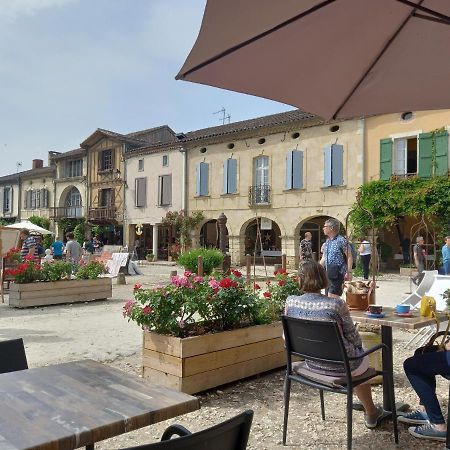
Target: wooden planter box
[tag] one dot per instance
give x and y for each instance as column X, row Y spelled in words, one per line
column 56, row 292
column 198, row 363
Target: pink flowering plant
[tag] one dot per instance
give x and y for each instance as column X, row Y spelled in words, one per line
column 193, row 305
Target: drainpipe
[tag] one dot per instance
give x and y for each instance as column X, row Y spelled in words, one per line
column 125, row 230
column 19, row 198
column 364, row 149
column 184, row 180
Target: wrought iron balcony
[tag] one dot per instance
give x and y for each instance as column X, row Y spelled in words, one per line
column 102, row 213
column 66, row 212
column 259, row 195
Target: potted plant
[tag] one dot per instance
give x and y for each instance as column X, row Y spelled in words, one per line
column 149, row 256
column 53, row 283
column 202, row 332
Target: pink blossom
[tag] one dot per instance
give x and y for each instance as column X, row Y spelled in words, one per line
column 137, row 286
column 128, row 308
column 213, row 284
column 257, row 286
column 181, row 323
column 198, row 279
column 187, row 273
column 146, row 310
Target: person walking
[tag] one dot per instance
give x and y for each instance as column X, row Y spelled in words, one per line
column 365, row 252
column 29, row 246
column 306, row 247
column 337, row 258
column 446, row 256
column 73, row 249
column 419, row 260
column 57, row 248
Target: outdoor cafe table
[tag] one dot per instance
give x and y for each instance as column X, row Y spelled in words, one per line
column 388, row 322
column 76, row 404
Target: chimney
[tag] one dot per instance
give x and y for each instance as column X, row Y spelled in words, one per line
column 37, row 164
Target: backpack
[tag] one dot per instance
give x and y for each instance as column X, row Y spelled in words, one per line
column 354, row 254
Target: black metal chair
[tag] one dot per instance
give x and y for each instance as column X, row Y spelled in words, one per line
column 322, row 341
column 12, row 356
column 229, row 435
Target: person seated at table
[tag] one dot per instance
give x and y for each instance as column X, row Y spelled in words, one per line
column 421, row 370
column 313, row 305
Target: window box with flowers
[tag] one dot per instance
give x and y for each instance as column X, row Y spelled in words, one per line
column 202, row 332
column 53, row 283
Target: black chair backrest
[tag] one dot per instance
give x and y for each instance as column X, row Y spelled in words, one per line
column 229, row 435
column 12, row 356
column 314, row 339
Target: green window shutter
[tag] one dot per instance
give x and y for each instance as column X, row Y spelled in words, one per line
column 385, row 159
column 425, row 155
column 441, row 167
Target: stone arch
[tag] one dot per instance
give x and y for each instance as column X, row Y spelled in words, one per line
column 66, row 195
column 209, row 234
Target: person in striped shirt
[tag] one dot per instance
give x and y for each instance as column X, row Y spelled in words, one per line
column 29, row 246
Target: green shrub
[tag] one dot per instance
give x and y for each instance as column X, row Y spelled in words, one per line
column 56, row 270
column 90, row 271
column 211, row 259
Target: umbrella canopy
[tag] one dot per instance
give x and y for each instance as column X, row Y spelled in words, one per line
column 334, row 58
column 29, row 226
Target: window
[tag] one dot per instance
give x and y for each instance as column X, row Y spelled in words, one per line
column 261, row 180
column 405, row 156
column 35, row 198
column 294, row 169
column 140, row 192
column 165, row 190
column 73, row 198
column 333, row 165
column 165, row 160
column 7, row 199
column 106, row 160
column 230, row 176
column 202, row 179
column 106, row 198
column 141, row 165
column 74, row 168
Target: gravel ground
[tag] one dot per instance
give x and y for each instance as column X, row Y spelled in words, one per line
column 98, row 331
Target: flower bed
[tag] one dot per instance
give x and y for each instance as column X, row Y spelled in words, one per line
column 201, row 332
column 51, row 283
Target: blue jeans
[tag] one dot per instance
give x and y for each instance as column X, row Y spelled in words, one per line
column 421, row 370
column 447, row 268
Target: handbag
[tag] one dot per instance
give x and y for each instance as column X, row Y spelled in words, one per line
column 427, row 306
column 437, row 347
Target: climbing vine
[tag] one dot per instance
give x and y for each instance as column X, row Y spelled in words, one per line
column 389, row 200
column 183, row 224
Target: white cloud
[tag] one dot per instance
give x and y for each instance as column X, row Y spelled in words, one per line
column 12, row 9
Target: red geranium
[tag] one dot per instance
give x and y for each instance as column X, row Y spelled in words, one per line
column 236, row 273
column 227, row 283
column 267, row 294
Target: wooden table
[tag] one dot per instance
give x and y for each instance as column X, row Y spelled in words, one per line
column 387, row 323
column 76, row 404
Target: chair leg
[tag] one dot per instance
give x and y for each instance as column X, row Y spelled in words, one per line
column 349, row 418
column 447, row 443
column 287, row 394
column 322, row 405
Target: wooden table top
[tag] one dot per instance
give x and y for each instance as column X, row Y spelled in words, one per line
column 71, row 405
column 394, row 321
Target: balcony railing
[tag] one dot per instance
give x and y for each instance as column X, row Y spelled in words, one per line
column 66, row 212
column 259, row 195
column 103, row 213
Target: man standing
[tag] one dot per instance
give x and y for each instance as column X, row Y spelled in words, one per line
column 337, row 258
column 57, row 248
column 73, row 249
column 29, row 246
column 446, row 256
column 306, row 247
column 419, row 260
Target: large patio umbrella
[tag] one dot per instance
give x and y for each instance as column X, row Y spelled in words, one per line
column 26, row 224
column 334, row 58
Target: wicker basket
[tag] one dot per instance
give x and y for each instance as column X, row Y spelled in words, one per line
column 359, row 301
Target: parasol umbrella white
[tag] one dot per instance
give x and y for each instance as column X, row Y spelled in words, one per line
column 337, row 59
column 26, row 224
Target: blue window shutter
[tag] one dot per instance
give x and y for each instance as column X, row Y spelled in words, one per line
column 198, row 190
column 289, row 170
column 425, row 155
column 327, row 166
column 297, row 169
column 385, row 159
column 337, row 165
column 225, row 177
column 204, row 175
column 441, row 153
column 232, row 175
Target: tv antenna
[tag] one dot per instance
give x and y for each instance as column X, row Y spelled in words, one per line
column 18, row 166
column 225, row 116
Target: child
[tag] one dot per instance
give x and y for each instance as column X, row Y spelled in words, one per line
column 48, row 255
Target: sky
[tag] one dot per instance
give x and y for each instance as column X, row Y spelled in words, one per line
column 68, row 67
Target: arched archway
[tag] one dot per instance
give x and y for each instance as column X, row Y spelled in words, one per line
column 72, row 202
column 263, row 239
column 209, row 235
